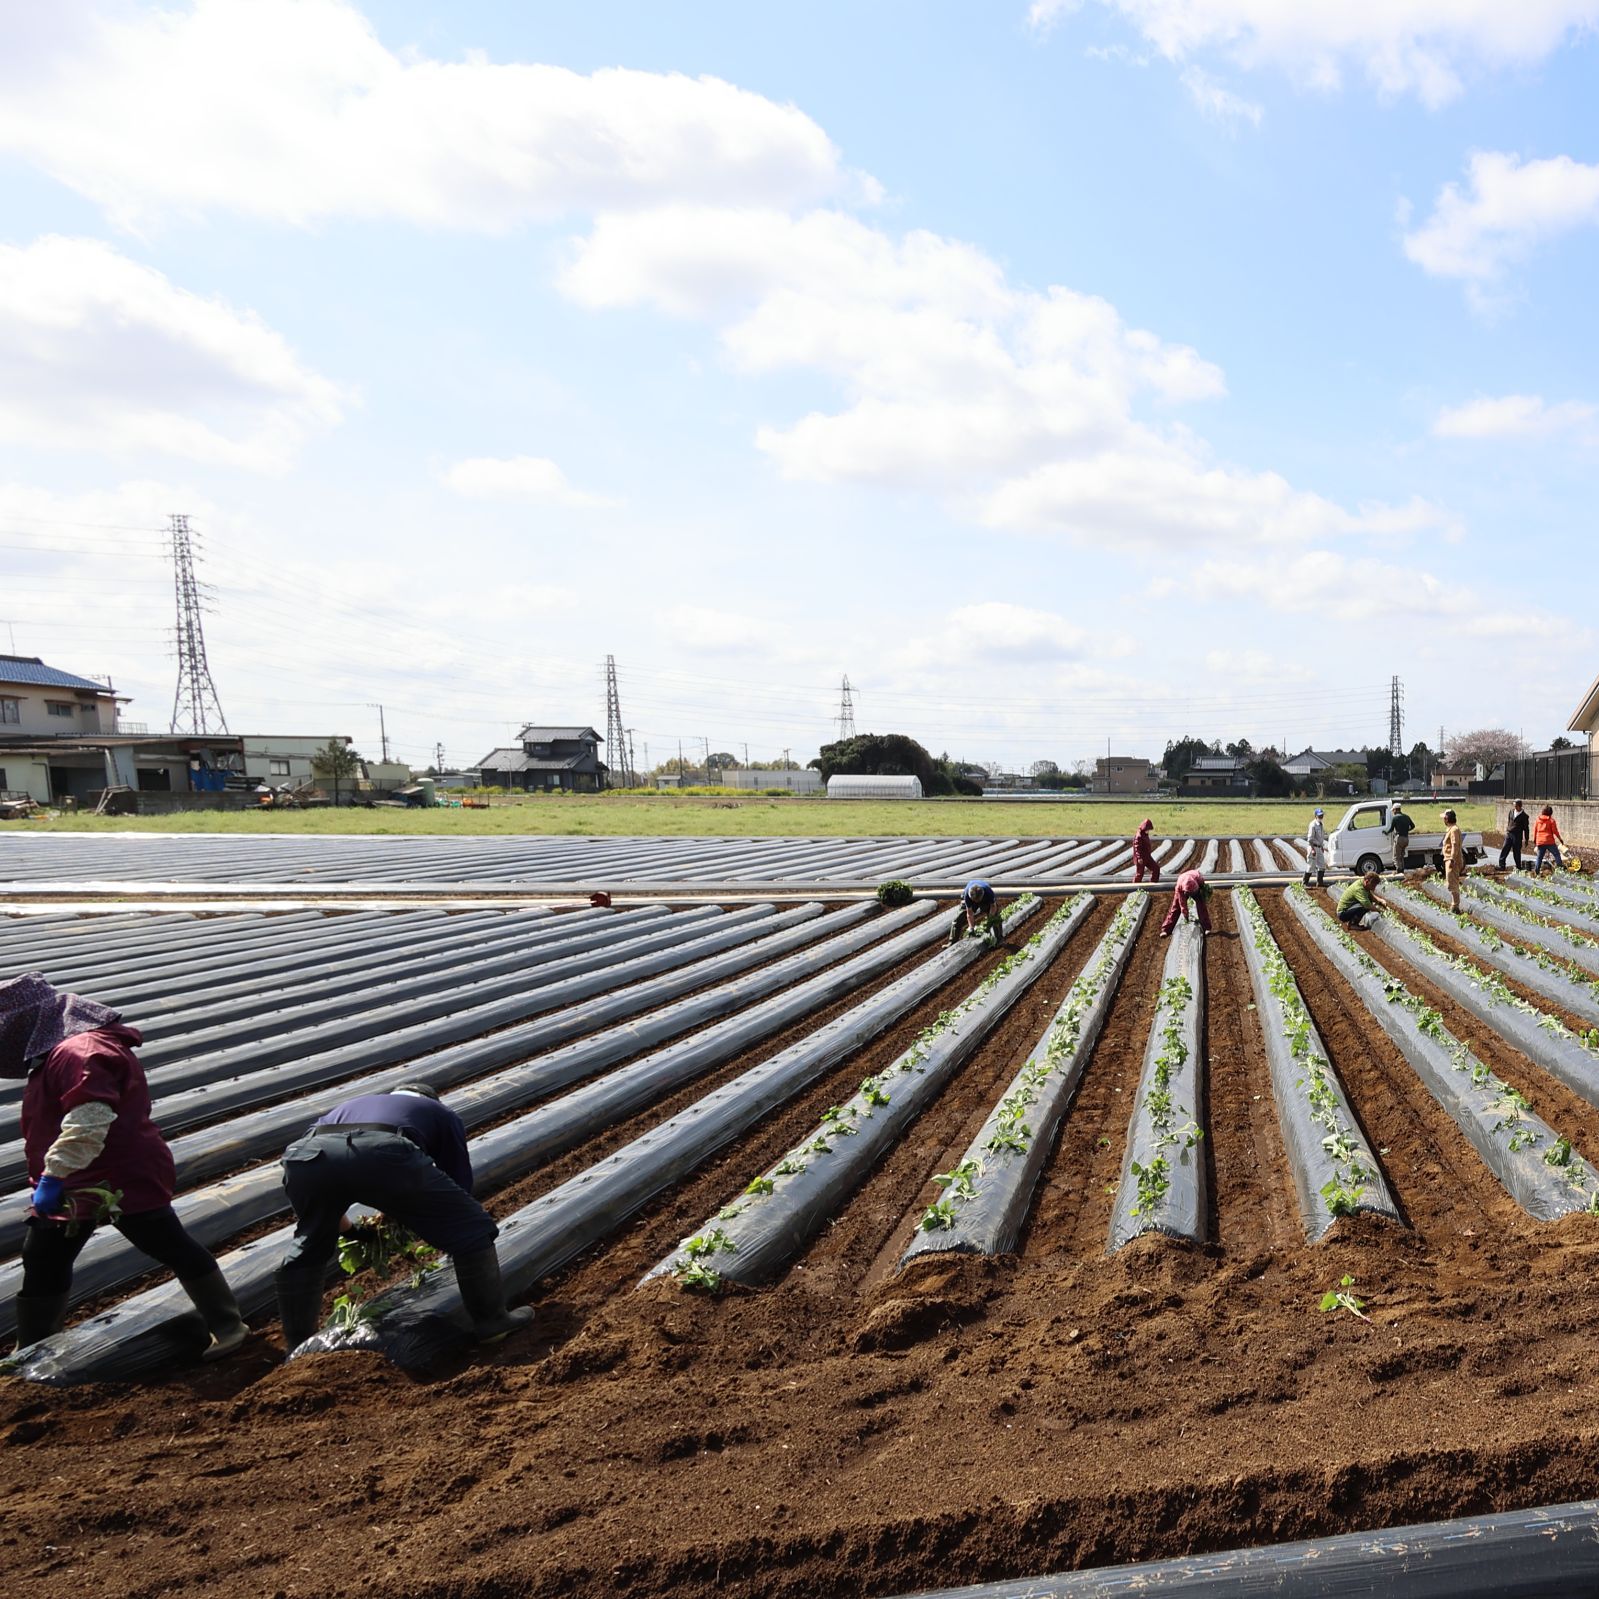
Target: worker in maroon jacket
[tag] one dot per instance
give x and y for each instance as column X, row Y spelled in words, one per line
column 86, row 1126
column 1144, row 853
column 404, row 1154
column 1190, row 888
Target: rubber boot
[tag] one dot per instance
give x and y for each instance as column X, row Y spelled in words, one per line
column 957, row 929
column 1307, row 878
column 38, row 1316
column 299, row 1307
column 1321, row 879
column 483, row 1294
column 214, row 1300
column 996, row 929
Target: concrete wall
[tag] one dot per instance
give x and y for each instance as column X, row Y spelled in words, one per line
column 1578, row 819
column 25, row 775
column 90, row 713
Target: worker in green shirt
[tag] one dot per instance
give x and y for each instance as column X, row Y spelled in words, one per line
column 1360, row 904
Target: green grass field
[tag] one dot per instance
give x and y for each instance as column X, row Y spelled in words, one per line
column 673, row 816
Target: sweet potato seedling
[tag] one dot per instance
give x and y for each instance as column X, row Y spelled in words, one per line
column 1343, row 1298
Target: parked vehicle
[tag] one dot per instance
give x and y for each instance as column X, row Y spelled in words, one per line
column 1360, row 842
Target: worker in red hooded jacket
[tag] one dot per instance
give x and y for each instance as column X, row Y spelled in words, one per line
column 1144, row 853
column 86, row 1126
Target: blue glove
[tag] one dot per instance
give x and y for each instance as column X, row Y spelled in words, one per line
column 48, row 1196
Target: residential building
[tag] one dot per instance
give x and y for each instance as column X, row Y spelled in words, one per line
column 63, row 739
column 1215, row 776
column 548, row 760
column 285, row 760
column 1123, row 774
column 1317, row 763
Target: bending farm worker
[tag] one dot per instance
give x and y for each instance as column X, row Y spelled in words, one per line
column 1455, row 858
column 1400, row 827
column 1517, row 826
column 1546, row 837
column 978, row 906
column 94, row 1155
column 1360, row 904
column 1144, row 853
column 404, row 1154
column 1316, row 848
column 1190, row 888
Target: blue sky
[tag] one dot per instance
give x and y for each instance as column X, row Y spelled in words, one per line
column 1069, row 376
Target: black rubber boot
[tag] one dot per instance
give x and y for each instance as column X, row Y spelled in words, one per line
column 1307, row 879
column 214, row 1300
column 299, row 1308
column 39, row 1315
column 996, row 928
column 957, row 928
column 1321, row 879
column 483, row 1294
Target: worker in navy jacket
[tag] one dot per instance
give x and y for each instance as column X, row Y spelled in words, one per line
column 978, row 906
column 404, row 1154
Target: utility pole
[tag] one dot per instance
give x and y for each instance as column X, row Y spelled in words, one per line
column 438, row 757
column 785, row 757
column 846, row 710
column 383, row 730
column 707, row 743
column 746, row 753
column 195, row 706
column 632, row 770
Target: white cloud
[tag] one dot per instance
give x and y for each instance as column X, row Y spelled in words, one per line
column 1027, row 409
column 1217, row 101
column 294, row 110
column 1419, row 47
column 1507, row 207
column 520, row 477
column 710, row 631
column 995, row 632
column 1366, row 590
column 1511, row 416
column 99, row 352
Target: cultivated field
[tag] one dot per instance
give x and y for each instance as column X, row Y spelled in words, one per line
column 862, row 1265
column 621, row 815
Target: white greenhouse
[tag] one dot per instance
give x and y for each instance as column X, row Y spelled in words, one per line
column 880, row 788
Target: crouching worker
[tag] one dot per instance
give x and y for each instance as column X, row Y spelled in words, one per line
column 979, row 909
column 1189, row 889
column 1360, row 904
column 94, row 1154
column 403, row 1154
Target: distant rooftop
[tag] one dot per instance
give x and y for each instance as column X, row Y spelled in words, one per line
column 31, row 670
column 557, row 735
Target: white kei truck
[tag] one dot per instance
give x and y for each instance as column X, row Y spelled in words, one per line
column 1361, row 842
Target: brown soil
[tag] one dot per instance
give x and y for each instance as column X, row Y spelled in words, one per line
column 856, row 1431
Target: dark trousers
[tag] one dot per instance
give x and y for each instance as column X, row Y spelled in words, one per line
column 1401, row 849
column 48, row 1249
column 325, row 1173
column 1551, row 851
column 1511, row 846
column 1351, row 916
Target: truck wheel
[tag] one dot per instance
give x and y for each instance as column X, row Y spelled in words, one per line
column 1368, row 863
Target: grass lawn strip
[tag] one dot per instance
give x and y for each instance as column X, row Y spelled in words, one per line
column 984, row 1200
column 1515, row 1143
column 1335, row 1172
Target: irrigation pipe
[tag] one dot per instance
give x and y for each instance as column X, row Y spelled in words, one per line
column 781, row 1209
column 1498, row 1122
column 1335, row 1172
column 1162, row 1186
column 986, row 1197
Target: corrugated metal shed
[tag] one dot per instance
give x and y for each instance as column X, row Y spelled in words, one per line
column 30, row 669
column 859, row 787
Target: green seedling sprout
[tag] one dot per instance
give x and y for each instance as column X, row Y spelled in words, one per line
column 1343, row 1298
